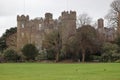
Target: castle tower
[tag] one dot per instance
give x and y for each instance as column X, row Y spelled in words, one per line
column 49, row 23
column 100, row 23
column 68, row 21
column 48, row 19
column 21, row 28
column 101, row 30
column 48, row 16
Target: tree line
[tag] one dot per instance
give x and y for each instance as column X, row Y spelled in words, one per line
column 83, row 46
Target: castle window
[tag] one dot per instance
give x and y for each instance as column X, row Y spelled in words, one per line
column 23, row 26
column 22, row 34
column 40, row 26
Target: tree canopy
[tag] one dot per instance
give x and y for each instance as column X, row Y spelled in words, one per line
column 53, row 42
column 30, row 51
column 5, row 36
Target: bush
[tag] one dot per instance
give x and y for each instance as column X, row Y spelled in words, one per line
column 46, row 55
column 1, row 58
column 21, row 58
column 95, row 58
column 11, row 55
column 117, row 61
column 30, row 51
column 50, row 54
column 106, row 57
column 41, row 56
column 110, row 52
column 116, row 56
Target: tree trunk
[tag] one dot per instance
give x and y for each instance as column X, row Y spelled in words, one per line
column 118, row 24
column 83, row 55
column 57, row 57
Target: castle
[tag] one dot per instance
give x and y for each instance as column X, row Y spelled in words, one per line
column 106, row 34
column 33, row 31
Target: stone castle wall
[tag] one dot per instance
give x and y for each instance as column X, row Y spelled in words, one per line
column 105, row 34
column 33, row 31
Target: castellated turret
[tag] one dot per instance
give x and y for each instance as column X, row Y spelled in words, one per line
column 48, row 22
column 22, row 22
column 68, row 20
column 22, row 18
column 48, row 16
column 100, row 23
column 69, row 15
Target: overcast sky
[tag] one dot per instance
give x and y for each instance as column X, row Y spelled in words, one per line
column 9, row 9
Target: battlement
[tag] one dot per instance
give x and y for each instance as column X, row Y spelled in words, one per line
column 37, row 20
column 34, row 30
column 22, row 18
column 100, row 23
column 69, row 15
column 48, row 16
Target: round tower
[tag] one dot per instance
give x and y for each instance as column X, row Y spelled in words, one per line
column 48, row 20
column 100, row 23
column 48, row 16
column 101, row 30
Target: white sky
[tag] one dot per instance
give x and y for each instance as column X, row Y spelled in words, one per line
column 9, row 9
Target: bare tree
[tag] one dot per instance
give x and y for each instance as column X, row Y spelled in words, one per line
column 86, row 40
column 114, row 13
column 84, row 19
column 53, row 41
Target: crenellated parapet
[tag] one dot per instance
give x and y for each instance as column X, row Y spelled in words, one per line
column 22, row 18
column 100, row 23
column 34, row 30
column 71, row 15
column 48, row 16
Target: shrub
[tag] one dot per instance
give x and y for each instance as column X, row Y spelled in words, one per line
column 50, row 54
column 30, row 51
column 106, row 57
column 95, row 58
column 11, row 55
column 115, row 56
column 110, row 52
column 117, row 61
column 41, row 56
column 1, row 58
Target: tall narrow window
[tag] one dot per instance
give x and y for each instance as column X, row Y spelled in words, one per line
column 40, row 26
column 23, row 26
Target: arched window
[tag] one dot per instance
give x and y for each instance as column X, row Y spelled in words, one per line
column 40, row 26
column 23, row 26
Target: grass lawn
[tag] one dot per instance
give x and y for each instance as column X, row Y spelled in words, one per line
column 39, row 71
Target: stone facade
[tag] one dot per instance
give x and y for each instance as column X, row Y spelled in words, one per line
column 33, row 31
column 68, row 25
column 105, row 34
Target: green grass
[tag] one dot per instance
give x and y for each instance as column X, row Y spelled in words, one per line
column 39, row 71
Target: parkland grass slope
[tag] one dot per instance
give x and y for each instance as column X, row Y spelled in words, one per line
column 38, row 71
